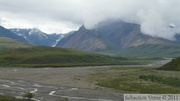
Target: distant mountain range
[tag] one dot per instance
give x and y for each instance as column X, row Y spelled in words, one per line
column 37, row 37
column 32, row 36
column 110, row 37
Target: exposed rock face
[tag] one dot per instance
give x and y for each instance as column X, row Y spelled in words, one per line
column 84, row 39
column 108, row 35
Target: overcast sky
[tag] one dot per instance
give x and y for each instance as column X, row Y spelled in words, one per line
column 156, row 17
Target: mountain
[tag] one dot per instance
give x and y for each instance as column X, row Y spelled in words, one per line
column 108, row 35
column 177, row 38
column 120, row 38
column 37, row 37
column 125, row 35
column 133, row 42
column 84, row 39
column 61, row 37
column 7, row 33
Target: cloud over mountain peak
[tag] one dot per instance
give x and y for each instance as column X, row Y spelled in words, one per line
column 154, row 16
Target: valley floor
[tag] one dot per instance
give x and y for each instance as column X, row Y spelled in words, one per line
column 75, row 83
column 70, row 76
column 50, row 84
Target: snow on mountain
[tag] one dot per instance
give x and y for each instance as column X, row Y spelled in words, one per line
column 37, row 37
column 6, row 33
column 62, row 36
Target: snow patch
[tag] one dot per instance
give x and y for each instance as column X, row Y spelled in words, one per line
column 34, row 30
column 61, row 37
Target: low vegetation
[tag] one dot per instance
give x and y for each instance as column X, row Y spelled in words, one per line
column 7, row 43
column 138, row 80
column 14, row 53
column 55, row 57
column 28, row 96
column 171, row 81
column 7, row 98
column 174, row 65
column 65, row 99
column 150, row 50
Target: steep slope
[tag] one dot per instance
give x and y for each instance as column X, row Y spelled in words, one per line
column 37, row 37
column 126, row 35
column 6, row 33
column 61, row 37
column 84, row 39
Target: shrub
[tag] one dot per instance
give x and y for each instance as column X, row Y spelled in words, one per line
column 28, row 96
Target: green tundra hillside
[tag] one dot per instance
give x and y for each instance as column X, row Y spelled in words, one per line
column 173, row 65
column 47, row 56
column 7, row 43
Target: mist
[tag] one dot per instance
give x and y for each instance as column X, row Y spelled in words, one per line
column 157, row 18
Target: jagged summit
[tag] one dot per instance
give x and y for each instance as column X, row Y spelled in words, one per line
column 84, row 39
column 34, row 30
column 82, row 28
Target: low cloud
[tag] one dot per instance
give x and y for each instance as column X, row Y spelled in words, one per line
column 156, row 17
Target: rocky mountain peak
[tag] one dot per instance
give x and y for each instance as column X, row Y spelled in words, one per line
column 82, row 28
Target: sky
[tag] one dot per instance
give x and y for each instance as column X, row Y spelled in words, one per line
column 158, row 18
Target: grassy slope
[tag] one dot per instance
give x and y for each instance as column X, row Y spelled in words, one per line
column 174, row 65
column 47, row 56
column 17, row 53
column 163, row 50
column 6, row 98
column 138, row 80
column 7, row 43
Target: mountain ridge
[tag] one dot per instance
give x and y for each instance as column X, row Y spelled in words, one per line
column 112, row 34
column 7, row 33
column 91, row 40
column 126, row 35
column 37, row 37
column 120, row 38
